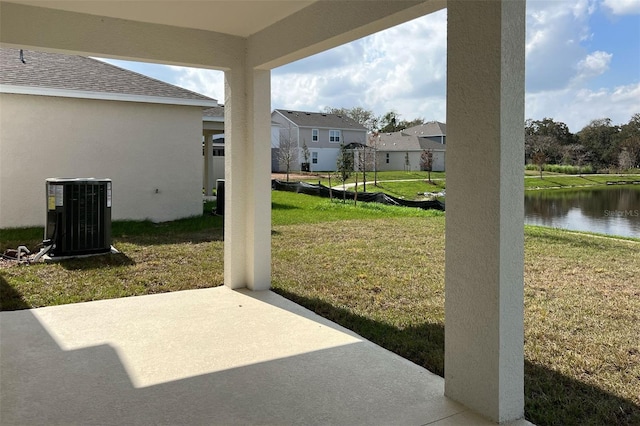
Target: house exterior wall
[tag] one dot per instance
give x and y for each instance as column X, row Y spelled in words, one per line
column 327, row 158
column 217, row 171
column 438, row 161
column 347, row 136
column 397, row 160
column 152, row 153
column 281, row 137
column 327, row 150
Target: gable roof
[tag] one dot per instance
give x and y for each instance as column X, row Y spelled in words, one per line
column 215, row 113
column 416, row 138
column 432, row 128
column 320, row 120
column 56, row 74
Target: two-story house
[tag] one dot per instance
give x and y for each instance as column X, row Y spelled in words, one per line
column 322, row 134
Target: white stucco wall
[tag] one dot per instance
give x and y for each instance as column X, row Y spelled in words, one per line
column 397, row 161
column 327, row 159
column 153, row 154
column 438, row 161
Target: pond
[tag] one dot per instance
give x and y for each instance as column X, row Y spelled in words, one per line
column 613, row 210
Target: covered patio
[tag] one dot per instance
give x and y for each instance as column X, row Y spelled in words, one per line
column 211, row 356
column 484, row 235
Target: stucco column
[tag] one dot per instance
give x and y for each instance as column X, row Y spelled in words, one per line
column 247, row 221
column 484, row 362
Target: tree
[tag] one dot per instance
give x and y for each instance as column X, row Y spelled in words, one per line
column 426, row 161
column 625, row 162
column 557, row 130
column 601, row 138
column 373, row 141
column 390, row 122
column 556, row 136
column 538, row 147
column 366, row 162
column 361, row 115
column 344, row 167
column 576, row 155
column 631, row 146
column 305, row 155
column 287, row 149
column 404, row 124
column 629, row 137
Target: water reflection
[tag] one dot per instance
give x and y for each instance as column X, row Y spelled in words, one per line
column 613, row 210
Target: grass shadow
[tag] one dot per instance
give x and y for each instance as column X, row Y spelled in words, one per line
column 280, row 206
column 10, row 298
column 423, row 344
column 196, row 237
column 555, row 399
column 106, row 260
column 556, row 183
column 590, row 180
column 550, row 397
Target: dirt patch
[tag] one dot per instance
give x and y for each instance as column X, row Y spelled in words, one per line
column 296, row 176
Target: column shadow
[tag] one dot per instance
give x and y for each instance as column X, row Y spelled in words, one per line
column 550, row 397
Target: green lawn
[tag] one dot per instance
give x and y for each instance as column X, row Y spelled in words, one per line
column 382, row 176
column 412, row 185
column 558, row 181
column 379, row 271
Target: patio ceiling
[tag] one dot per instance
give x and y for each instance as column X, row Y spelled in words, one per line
column 237, row 18
column 207, row 33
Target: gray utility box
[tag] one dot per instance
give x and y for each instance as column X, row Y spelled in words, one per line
column 78, row 216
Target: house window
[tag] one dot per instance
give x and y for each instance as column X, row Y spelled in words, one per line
column 387, row 158
column 334, row 136
column 314, row 157
column 314, row 135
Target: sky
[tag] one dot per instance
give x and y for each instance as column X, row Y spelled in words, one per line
column 582, row 63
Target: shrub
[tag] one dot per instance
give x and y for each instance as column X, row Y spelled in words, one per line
column 562, row 168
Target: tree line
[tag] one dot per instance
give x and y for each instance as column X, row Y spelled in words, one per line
column 602, row 145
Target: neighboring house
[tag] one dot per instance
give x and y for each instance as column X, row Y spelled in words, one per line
column 403, row 150
column 213, row 144
column 73, row 116
column 322, row 133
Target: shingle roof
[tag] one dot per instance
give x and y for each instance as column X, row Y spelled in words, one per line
column 432, row 128
column 217, row 111
column 414, row 138
column 321, row 120
column 78, row 73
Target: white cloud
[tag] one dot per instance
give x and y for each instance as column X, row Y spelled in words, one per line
column 594, row 64
column 384, row 71
column 555, row 31
column 623, row 7
column 577, row 108
column 206, row 82
column 404, row 68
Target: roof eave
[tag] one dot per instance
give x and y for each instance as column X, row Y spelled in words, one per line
column 80, row 94
column 213, row 119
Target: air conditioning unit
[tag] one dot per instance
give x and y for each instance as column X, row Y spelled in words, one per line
column 78, row 216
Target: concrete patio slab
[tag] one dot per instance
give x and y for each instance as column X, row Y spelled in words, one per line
column 210, row 356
